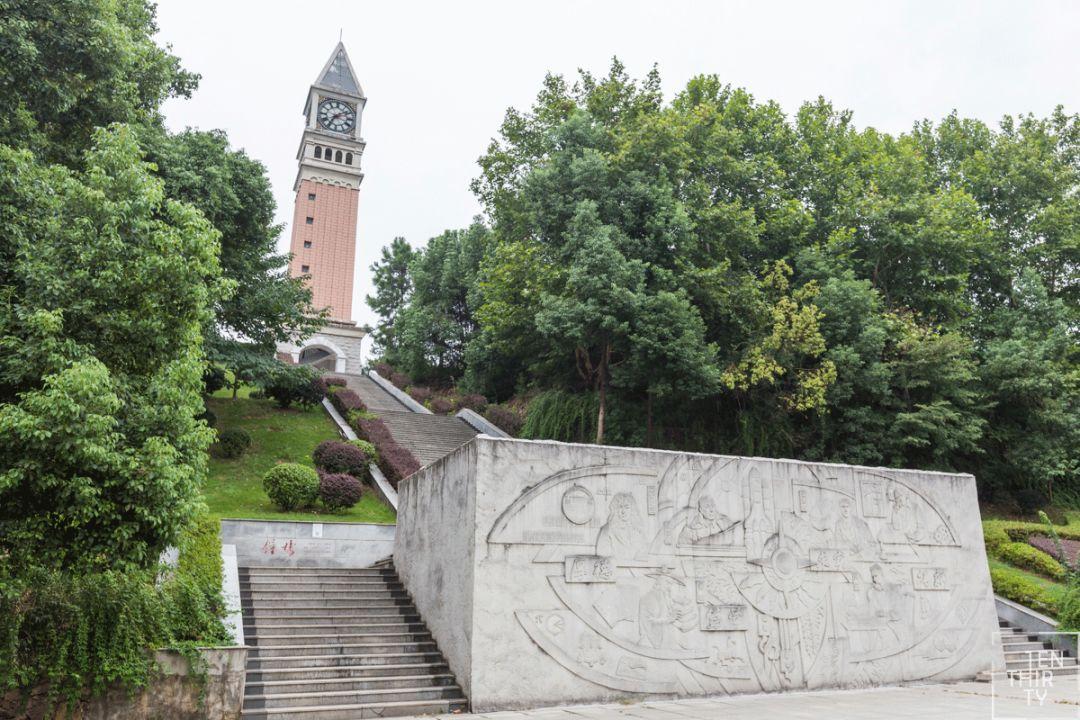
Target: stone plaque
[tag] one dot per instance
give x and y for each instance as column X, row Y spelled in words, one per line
column 589, row 569
column 718, row 618
column 929, row 578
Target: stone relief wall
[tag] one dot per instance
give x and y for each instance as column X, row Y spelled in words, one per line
column 608, row 572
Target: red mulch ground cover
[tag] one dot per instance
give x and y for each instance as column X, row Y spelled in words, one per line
column 1047, row 545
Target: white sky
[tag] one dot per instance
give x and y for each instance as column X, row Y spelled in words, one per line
column 440, row 75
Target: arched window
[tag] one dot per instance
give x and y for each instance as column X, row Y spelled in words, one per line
column 337, row 156
column 348, row 158
column 318, row 152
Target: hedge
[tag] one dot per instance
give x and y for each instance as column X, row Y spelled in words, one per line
column 347, row 401
column 1013, row 585
column 396, row 462
column 1022, row 555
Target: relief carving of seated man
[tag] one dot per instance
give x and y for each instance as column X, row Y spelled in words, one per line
column 706, row 523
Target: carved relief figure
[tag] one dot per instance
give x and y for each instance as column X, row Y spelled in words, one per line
column 905, row 514
column 759, row 527
column 872, row 620
column 621, row 536
column 706, row 523
column 853, row 533
column 664, row 613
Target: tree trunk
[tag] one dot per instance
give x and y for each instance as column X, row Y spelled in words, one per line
column 235, row 388
column 601, row 382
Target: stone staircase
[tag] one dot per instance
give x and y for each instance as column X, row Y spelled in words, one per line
column 330, row 644
column 427, row 437
column 1026, row 653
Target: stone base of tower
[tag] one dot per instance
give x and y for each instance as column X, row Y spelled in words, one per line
column 335, row 347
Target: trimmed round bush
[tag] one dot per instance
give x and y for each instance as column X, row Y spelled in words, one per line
column 440, row 405
column 420, row 393
column 476, row 403
column 291, row 486
column 334, row 456
column 233, row 442
column 339, row 491
column 505, row 419
column 369, row 449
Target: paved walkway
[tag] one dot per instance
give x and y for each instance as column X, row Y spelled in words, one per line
column 957, row 701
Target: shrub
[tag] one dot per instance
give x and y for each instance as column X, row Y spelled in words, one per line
column 326, row 382
column 384, row 369
column 368, row 449
column 291, row 486
column 994, row 536
column 1015, row 586
column 213, row 379
column 440, row 405
column 1069, row 609
column 476, row 403
column 293, row 384
column 339, row 491
column 505, row 419
column 399, row 380
column 347, row 401
column 420, row 394
column 85, row 630
column 257, row 394
column 335, row 456
column 396, row 462
column 232, row 443
column 1025, row 556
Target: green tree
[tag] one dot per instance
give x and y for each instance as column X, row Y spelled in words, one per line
column 71, row 66
column 433, row 330
column 393, row 287
column 105, row 286
column 233, row 192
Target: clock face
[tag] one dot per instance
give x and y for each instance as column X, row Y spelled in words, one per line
column 336, row 115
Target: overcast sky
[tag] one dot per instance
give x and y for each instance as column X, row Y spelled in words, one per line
column 440, row 75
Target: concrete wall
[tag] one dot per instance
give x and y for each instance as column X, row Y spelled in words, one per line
column 435, row 552
column 270, row 543
column 600, row 573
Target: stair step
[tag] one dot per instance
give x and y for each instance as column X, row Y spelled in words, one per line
column 321, row 661
column 345, row 672
column 304, row 571
column 334, row 625
column 294, row 603
column 357, row 639
column 288, row 585
column 320, row 594
column 353, row 697
column 359, row 711
column 277, row 687
column 344, row 611
column 352, row 648
column 1028, row 646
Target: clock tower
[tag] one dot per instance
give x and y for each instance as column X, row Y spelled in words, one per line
column 327, row 186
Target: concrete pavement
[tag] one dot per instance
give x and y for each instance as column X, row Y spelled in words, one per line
column 955, row 701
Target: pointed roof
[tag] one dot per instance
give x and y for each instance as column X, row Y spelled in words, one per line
column 338, row 73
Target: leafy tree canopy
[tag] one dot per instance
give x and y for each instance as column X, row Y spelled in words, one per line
column 737, row 280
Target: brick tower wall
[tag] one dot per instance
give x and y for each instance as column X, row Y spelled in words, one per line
column 331, row 259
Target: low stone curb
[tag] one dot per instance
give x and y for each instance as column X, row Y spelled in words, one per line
column 382, row 485
column 400, row 396
column 479, row 423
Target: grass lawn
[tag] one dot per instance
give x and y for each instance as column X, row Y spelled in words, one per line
column 234, row 487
